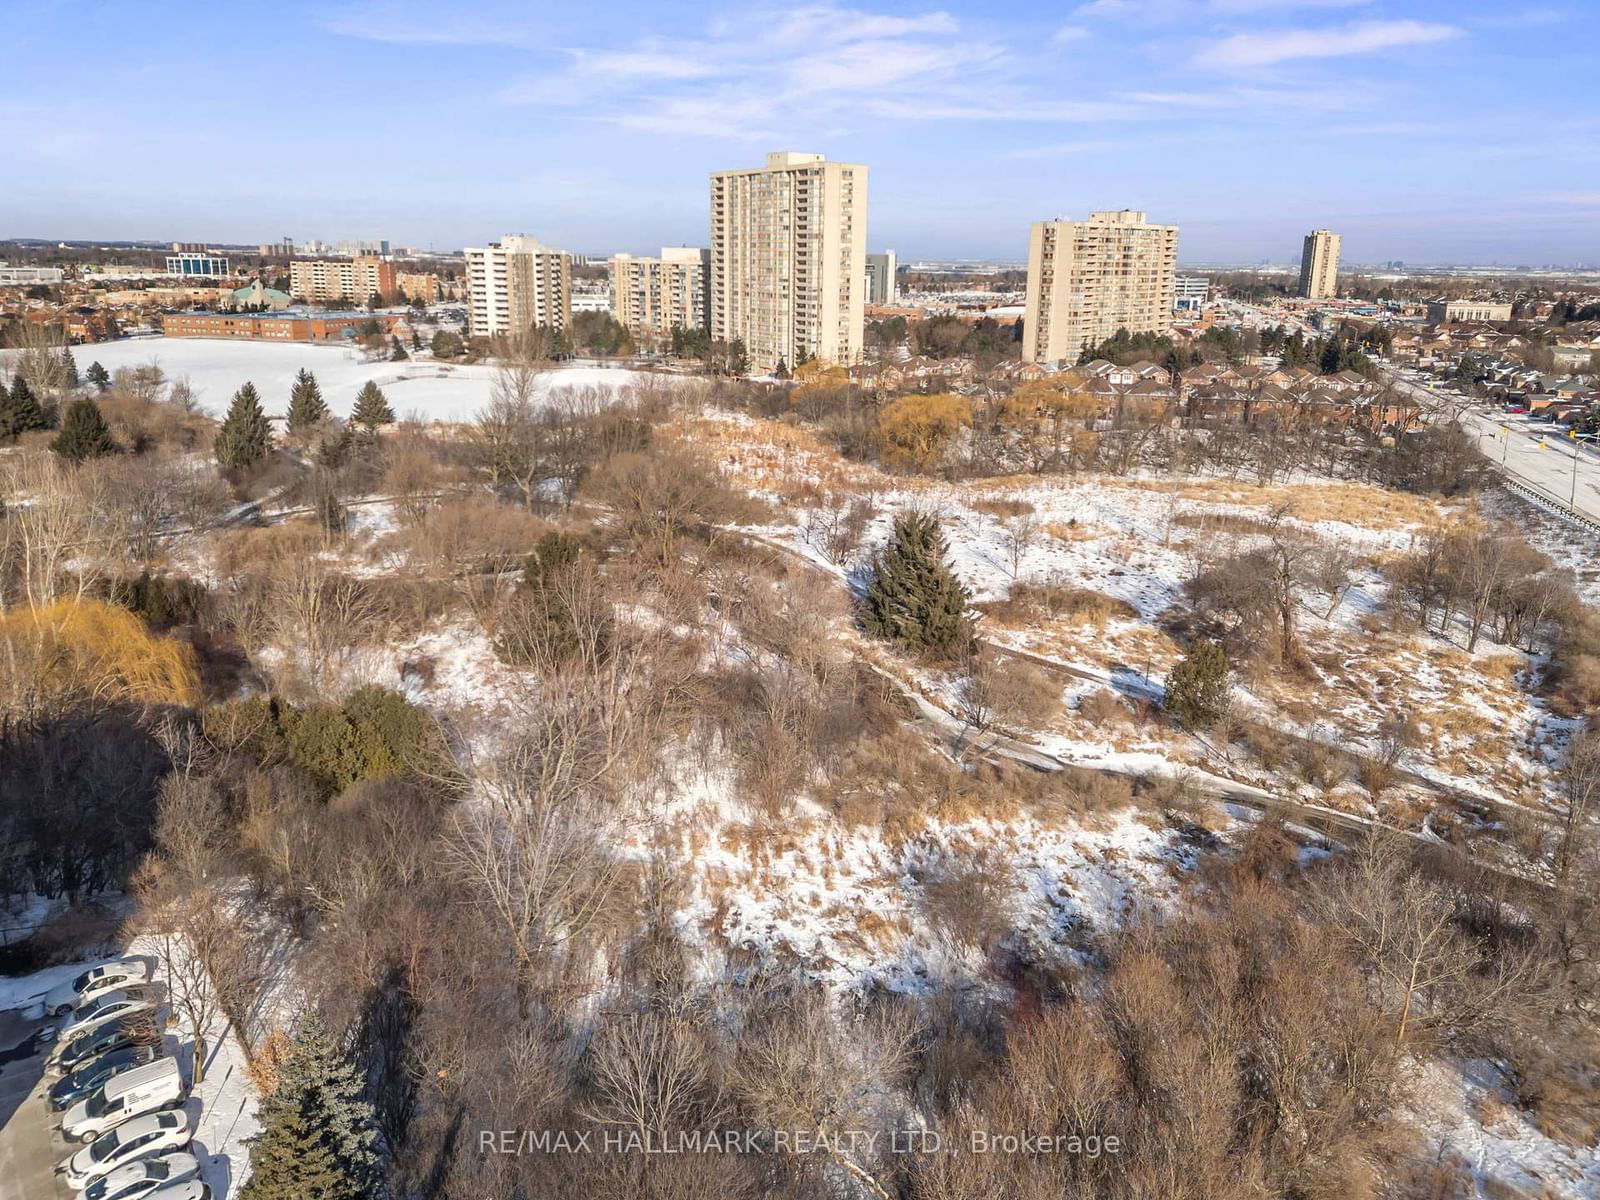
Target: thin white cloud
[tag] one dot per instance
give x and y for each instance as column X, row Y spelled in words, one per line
column 1176, row 10
column 1069, row 33
column 754, row 74
column 1579, row 199
column 1060, row 150
column 406, row 23
column 1363, row 37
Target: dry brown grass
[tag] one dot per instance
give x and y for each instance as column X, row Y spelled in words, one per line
column 1358, row 504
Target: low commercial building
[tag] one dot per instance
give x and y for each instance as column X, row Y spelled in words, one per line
column 29, row 276
column 197, row 265
column 1192, row 291
column 353, row 279
column 1468, row 310
column 277, row 327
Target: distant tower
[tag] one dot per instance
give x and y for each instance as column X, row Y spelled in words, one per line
column 1319, row 265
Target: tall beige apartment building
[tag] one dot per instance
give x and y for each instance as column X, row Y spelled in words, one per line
column 1319, row 265
column 788, row 259
column 652, row 296
column 515, row 284
column 1088, row 279
column 354, row 279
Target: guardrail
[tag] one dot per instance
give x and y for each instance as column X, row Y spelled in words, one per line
column 1544, row 499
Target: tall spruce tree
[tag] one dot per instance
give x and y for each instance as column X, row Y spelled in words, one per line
column 317, row 1139
column 99, row 376
column 69, row 368
column 914, row 598
column 372, row 408
column 245, row 436
column 84, row 432
column 307, row 409
column 20, row 410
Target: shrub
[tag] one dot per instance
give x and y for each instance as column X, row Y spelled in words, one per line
column 164, row 601
column 97, row 649
column 374, row 733
column 1197, row 689
column 552, row 553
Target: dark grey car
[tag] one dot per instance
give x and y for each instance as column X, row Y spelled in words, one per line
column 116, row 1036
column 69, row 1089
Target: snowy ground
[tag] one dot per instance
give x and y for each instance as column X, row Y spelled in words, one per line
column 419, row 388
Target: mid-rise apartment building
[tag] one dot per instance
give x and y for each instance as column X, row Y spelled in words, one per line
column 652, row 296
column 419, row 285
column 351, row 279
column 1319, row 265
column 882, row 286
column 515, row 284
column 1088, row 279
column 788, row 259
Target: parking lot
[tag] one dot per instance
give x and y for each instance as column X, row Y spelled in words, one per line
column 29, row 1146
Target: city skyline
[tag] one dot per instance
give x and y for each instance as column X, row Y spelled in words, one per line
column 1246, row 122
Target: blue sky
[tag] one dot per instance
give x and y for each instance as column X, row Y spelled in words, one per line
column 1423, row 131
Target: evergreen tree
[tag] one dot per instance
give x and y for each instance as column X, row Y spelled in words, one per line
column 1332, row 361
column 69, row 368
column 372, row 408
column 397, row 352
column 914, row 598
column 20, row 411
column 335, row 449
column 245, row 436
column 317, row 1139
column 307, row 409
column 1197, row 688
column 99, row 376
column 84, row 432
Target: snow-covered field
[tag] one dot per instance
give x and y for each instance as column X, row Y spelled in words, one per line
column 416, row 388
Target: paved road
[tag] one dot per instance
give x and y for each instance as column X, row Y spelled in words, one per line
column 1528, row 451
column 29, row 1146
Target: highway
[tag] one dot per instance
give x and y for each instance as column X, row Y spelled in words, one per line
column 1528, row 451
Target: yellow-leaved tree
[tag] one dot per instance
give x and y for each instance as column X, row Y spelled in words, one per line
column 915, row 431
column 91, row 649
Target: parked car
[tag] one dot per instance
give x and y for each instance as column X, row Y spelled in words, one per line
column 113, row 1006
column 189, row 1189
column 129, row 1093
column 68, row 1055
column 141, row 1137
column 138, row 1179
column 95, row 982
column 69, row 1089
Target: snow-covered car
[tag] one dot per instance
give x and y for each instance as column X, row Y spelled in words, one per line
column 113, row 1006
column 69, row 1089
column 93, row 983
column 189, row 1189
column 141, row 1137
column 139, row 1179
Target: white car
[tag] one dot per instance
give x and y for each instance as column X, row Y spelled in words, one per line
column 141, row 1137
column 128, row 1093
column 113, row 1006
column 139, row 1179
column 95, row 982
